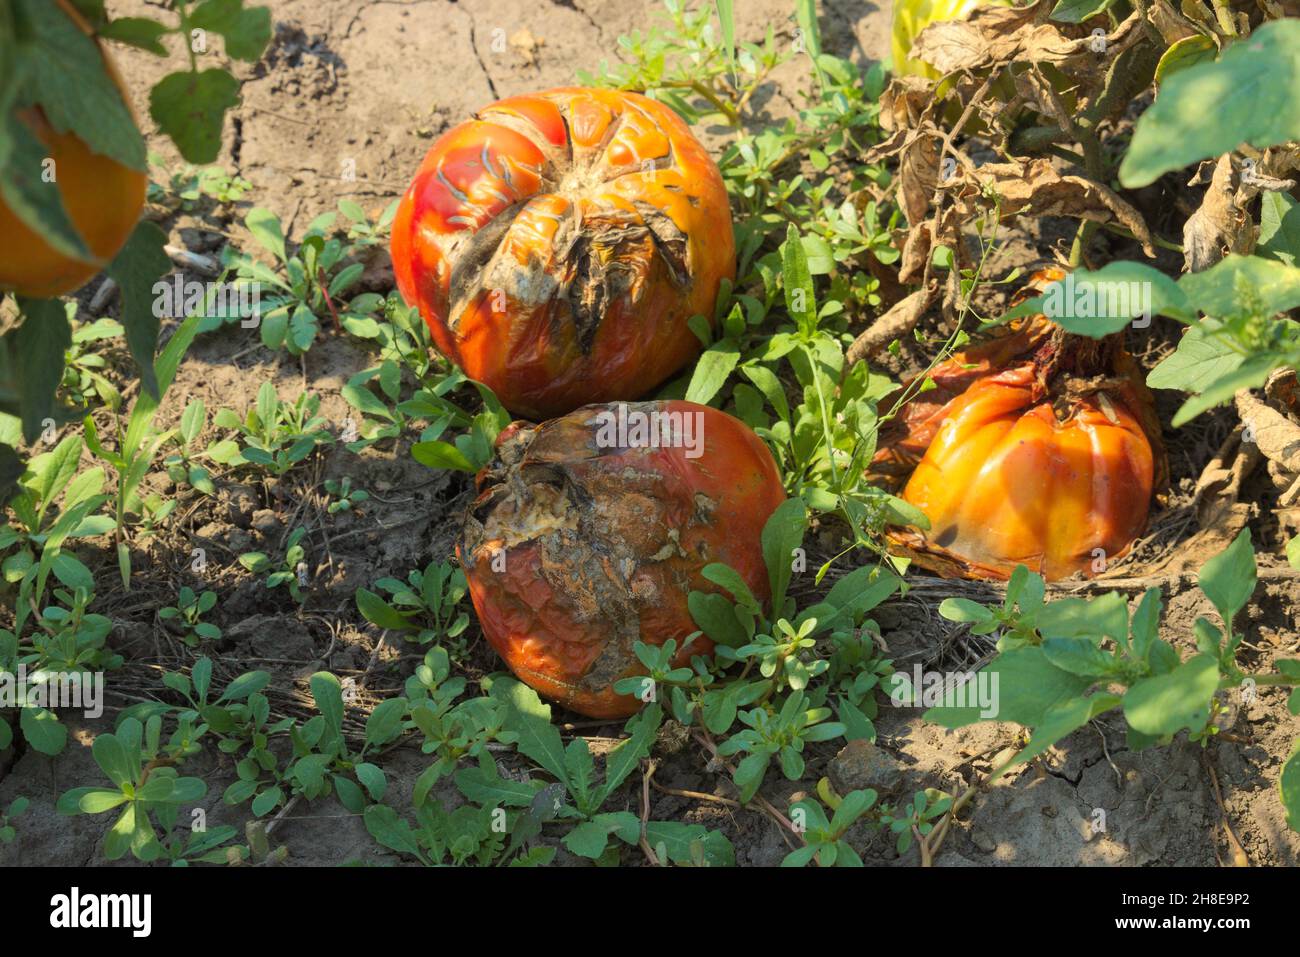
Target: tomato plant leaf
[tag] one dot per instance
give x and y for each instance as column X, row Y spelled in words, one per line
column 190, row 107
column 136, row 269
column 1279, row 227
column 1098, row 303
column 137, row 32
column 1076, row 11
column 1211, row 108
column 1248, row 374
column 1197, row 363
column 1184, row 53
column 39, row 343
column 1218, row 291
column 246, row 31
column 67, row 77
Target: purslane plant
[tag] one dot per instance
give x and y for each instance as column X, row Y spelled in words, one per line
column 1062, row 663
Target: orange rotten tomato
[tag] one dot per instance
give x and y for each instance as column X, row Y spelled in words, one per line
column 1039, row 448
column 590, row 531
column 558, row 243
column 102, row 197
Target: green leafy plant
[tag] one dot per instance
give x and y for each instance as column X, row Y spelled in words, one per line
column 825, row 836
column 276, row 435
column 424, row 608
column 188, row 612
column 138, row 443
column 290, row 571
column 573, row 767
column 468, row 451
column 452, row 729
column 307, row 284
column 187, row 186
column 83, row 369
column 185, row 465
column 145, row 785
column 1063, row 663
column 54, row 504
column 363, row 231
column 470, row 834
column 345, row 497
column 15, row 810
column 67, row 642
column 784, row 646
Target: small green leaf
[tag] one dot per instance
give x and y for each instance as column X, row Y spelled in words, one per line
column 42, row 730
column 1166, row 703
column 1228, row 579
column 191, row 107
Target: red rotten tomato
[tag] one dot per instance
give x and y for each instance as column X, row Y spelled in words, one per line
column 590, row 531
column 1040, row 448
column 558, row 243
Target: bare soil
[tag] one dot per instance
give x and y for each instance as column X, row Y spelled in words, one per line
column 350, row 85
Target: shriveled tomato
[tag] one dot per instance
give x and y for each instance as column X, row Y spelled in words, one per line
column 102, row 197
column 558, row 243
column 587, row 536
column 1040, row 448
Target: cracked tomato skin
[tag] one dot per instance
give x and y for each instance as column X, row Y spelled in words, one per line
column 558, row 243
column 103, row 199
column 578, row 546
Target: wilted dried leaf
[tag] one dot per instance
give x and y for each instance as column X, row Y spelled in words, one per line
column 905, row 103
column 1171, row 24
column 1220, row 226
column 1276, row 436
column 897, row 322
column 995, row 35
column 1036, row 187
column 918, row 174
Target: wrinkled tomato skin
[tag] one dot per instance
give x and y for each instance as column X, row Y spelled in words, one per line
column 102, row 198
column 557, row 244
column 1006, row 482
column 608, row 544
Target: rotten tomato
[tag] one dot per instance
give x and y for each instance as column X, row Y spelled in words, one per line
column 1039, row 448
column 590, row 531
column 558, row 243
